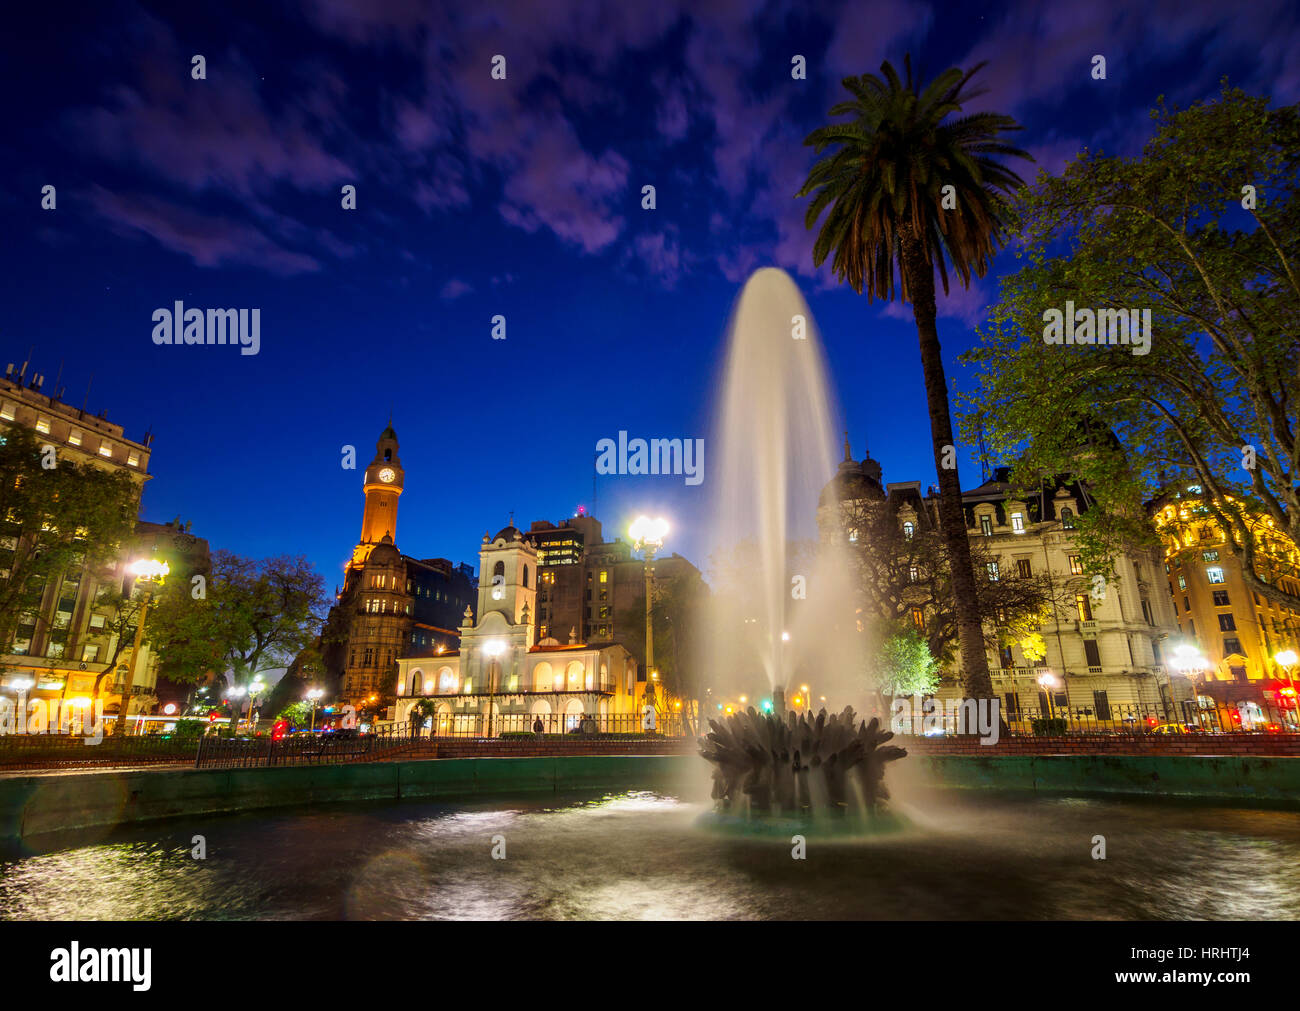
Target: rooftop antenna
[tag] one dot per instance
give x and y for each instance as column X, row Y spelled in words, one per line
column 594, row 472
column 57, row 378
column 87, row 400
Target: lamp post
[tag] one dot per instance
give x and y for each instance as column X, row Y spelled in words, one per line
column 1290, row 662
column 1189, row 661
column 254, row 690
column 1046, row 681
column 145, row 570
column 314, row 695
column 492, row 649
column 648, row 536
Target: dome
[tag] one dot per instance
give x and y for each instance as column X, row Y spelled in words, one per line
column 384, row 553
column 508, row 534
column 853, row 482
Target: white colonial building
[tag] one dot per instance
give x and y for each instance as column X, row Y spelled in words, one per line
column 501, row 679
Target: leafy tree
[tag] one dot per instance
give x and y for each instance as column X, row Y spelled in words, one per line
column 677, row 615
column 120, row 623
column 883, row 187
column 297, row 713
column 1203, row 231
column 256, row 616
column 894, row 574
column 903, row 665
column 53, row 520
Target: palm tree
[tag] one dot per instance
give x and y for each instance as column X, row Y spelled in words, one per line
column 422, row 710
column 886, row 184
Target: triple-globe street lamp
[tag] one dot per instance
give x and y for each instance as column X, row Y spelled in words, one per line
column 648, row 536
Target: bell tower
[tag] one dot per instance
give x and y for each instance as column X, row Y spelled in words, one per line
column 382, row 487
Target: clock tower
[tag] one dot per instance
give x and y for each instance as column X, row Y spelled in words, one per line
column 382, row 487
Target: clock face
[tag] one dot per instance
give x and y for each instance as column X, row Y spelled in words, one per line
column 386, row 475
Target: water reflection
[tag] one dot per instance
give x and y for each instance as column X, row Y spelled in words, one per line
column 639, row 856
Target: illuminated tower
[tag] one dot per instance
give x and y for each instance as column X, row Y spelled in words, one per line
column 382, row 487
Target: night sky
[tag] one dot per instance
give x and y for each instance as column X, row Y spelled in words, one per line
column 478, row 197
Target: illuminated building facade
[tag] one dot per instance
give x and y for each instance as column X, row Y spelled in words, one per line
column 391, row 605
column 1237, row 631
column 71, row 646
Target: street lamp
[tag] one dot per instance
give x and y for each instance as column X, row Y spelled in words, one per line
column 493, row 649
column 1047, row 681
column 648, row 536
column 1289, row 661
column 1189, row 661
column 314, row 695
column 147, row 571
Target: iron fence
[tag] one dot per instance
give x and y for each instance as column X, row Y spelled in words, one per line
column 1129, row 718
column 452, row 724
column 52, row 751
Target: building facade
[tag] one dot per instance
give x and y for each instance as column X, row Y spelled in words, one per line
column 1105, row 646
column 1236, row 633
column 73, row 646
column 503, row 678
column 391, row 605
column 591, row 589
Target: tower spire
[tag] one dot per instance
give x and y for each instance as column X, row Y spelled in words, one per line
column 848, row 453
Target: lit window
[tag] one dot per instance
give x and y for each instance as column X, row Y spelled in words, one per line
column 43, row 425
column 986, row 526
column 1214, row 574
column 1210, row 556
column 1076, row 565
column 918, row 619
column 133, row 460
column 1182, row 582
column 1067, row 518
column 993, row 571
column 90, row 654
column 105, row 449
column 74, row 438
column 913, row 574
column 7, row 412
column 96, row 621
column 1018, row 523
column 908, row 530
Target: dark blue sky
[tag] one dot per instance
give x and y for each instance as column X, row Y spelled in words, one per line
column 479, row 197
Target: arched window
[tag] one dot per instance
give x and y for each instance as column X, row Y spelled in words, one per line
column 446, row 681
column 525, row 577
column 1067, row 518
column 416, row 682
column 909, row 528
column 499, row 570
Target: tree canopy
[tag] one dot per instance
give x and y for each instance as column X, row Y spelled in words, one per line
column 55, row 515
column 1203, row 231
column 255, row 617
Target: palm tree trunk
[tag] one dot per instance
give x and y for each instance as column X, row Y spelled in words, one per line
column 918, row 275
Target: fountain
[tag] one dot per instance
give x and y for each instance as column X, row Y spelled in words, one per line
column 776, row 452
column 798, row 764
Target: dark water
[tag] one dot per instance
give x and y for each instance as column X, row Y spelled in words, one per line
column 640, row 856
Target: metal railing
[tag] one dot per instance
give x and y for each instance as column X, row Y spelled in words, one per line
column 481, row 725
column 70, row 751
column 1117, row 718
